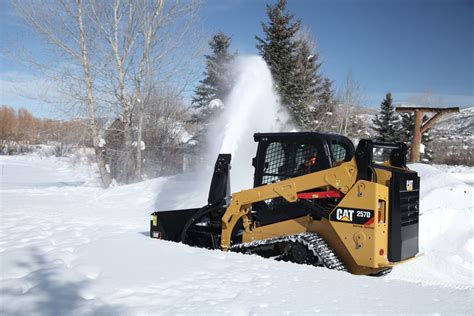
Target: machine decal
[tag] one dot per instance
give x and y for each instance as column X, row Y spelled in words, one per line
column 353, row 216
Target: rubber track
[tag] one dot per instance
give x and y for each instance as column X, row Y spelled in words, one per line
column 312, row 241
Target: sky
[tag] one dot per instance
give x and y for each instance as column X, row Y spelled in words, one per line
column 407, row 47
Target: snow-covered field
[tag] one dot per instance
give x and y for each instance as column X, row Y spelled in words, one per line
column 68, row 246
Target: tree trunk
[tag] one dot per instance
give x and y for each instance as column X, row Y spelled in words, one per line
column 127, row 161
column 101, row 163
column 99, row 154
column 138, row 160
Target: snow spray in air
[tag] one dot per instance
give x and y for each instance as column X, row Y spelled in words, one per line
column 251, row 107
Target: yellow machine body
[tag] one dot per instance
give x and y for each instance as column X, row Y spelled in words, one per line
column 362, row 247
column 358, row 229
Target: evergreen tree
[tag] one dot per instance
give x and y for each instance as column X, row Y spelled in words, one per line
column 278, row 49
column 323, row 116
column 217, row 80
column 326, row 97
column 426, row 139
column 386, row 123
column 407, row 125
column 306, row 86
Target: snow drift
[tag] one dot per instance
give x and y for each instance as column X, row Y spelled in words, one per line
column 446, row 231
column 68, row 246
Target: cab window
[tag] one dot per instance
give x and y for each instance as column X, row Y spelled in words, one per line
column 338, row 152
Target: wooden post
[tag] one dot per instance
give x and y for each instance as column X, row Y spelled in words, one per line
column 416, row 140
column 420, row 128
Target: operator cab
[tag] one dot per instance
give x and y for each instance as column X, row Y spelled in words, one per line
column 282, row 156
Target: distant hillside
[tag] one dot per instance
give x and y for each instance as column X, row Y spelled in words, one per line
column 457, row 124
column 452, row 137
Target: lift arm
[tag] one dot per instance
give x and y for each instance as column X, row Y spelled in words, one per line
column 342, row 178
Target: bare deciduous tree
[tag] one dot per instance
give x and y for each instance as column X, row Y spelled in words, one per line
column 112, row 54
column 164, row 127
column 64, row 27
column 349, row 101
column 427, row 99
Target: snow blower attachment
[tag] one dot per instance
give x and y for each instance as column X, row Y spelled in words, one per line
column 181, row 225
column 316, row 200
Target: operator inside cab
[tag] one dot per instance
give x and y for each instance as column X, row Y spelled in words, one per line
column 309, row 165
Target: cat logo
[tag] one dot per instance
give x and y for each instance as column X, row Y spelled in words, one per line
column 352, row 216
column 409, row 185
column 344, row 215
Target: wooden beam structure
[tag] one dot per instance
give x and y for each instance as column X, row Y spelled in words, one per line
column 420, row 128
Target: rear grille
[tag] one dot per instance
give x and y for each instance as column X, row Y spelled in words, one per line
column 404, row 214
column 409, row 209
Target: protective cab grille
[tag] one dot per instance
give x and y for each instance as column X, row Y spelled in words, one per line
column 284, row 161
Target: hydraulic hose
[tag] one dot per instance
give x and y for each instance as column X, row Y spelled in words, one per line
column 209, row 208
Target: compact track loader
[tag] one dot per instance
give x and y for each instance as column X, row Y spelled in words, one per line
column 316, row 200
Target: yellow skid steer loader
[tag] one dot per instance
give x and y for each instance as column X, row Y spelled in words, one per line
column 316, row 200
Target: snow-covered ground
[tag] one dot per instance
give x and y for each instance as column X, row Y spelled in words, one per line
column 463, row 173
column 68, row 246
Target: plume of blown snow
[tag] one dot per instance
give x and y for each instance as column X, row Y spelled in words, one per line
column 252, row 106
